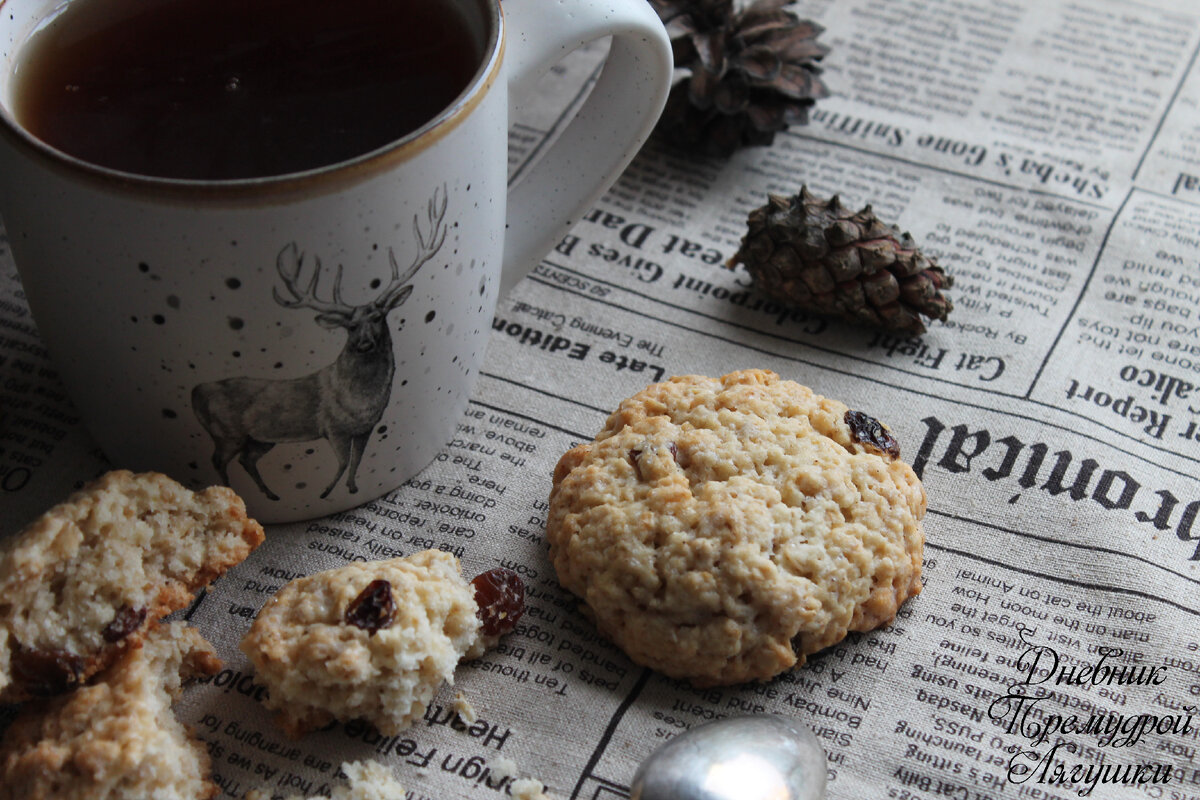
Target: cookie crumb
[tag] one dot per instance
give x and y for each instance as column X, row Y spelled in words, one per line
column 464, row 709
column 503, row 767
column 366, row 780
column 521, row 788
column 529, row 789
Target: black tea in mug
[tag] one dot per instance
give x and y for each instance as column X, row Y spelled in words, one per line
column 230, row 89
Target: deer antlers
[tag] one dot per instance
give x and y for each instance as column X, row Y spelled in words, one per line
column 308, row 298
column 290, row 262
column 436, row 212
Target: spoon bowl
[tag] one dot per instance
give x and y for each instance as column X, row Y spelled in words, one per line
column 766, row 757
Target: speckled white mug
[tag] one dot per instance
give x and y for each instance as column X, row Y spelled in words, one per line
column 322, row 330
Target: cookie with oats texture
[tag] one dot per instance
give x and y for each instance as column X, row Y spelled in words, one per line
column 90, row 577
column 370, row 640
column 721, row 530
column 116, row 738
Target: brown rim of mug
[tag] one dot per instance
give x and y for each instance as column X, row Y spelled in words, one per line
column 255, row 191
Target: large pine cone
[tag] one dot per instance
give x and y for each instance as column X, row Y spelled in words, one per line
column 822, row 257
column 753, row 73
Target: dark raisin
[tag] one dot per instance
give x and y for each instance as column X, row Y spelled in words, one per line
column 869, row 431
column 500, row 595
column 634, row 455
column 127, row 620
column 47, row 672
column 373, row 609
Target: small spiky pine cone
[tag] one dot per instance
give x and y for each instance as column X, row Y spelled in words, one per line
column 753, row 73
column 822, row 257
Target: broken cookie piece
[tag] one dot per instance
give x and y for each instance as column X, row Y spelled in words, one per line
column 88, row 578
column 117, row 738
column 720, row 530
column 370, row 640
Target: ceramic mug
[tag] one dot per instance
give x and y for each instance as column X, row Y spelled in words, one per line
column 312, row 339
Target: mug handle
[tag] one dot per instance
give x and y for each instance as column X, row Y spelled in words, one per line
column 608, row 130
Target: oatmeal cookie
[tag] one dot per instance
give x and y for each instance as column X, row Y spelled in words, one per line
column 370, row 640
column 721, row 530
column 117, row 738
column 89, row 577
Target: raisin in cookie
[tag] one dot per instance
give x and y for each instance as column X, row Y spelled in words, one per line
column 117, row 738
column 720, row 530
column 89, row 577
column 370, row 640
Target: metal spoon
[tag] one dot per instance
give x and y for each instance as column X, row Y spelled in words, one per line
column 740, row 758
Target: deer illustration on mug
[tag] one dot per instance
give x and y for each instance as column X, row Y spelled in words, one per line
column 342, row 402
